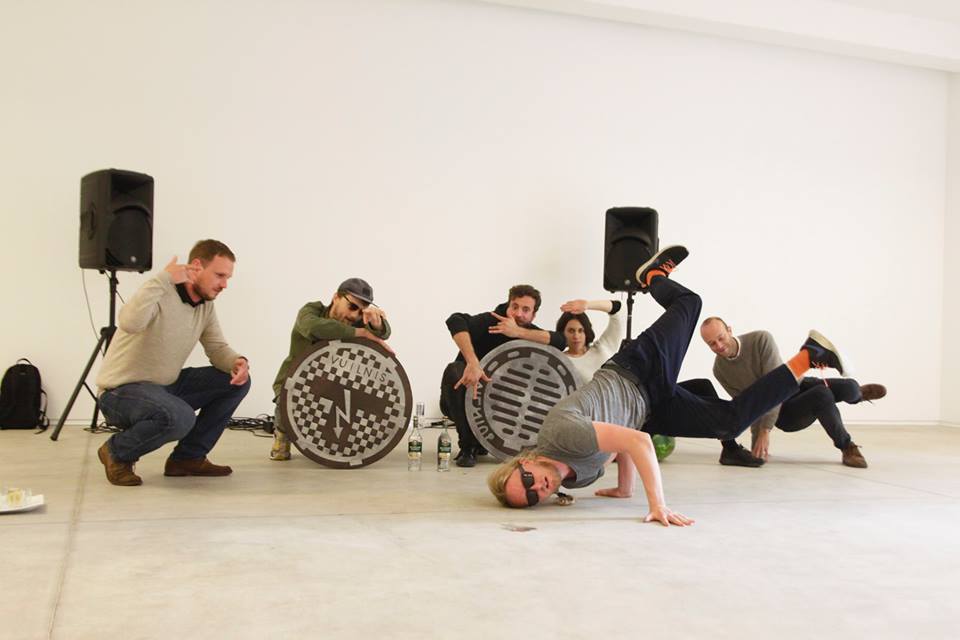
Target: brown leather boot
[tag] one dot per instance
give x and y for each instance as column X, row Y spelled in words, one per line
column 853, row 458
column 195, row 467
column 118, row 473
column 871, row 392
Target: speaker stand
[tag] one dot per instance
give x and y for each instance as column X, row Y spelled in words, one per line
column 630, row 295
column 106, row 335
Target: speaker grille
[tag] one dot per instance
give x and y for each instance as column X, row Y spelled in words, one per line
column 129, row 238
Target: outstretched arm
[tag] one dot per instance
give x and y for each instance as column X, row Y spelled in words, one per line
column 473, row 373
column 639, row 448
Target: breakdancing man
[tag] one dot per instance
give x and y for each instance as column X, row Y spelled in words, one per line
column 635, row 394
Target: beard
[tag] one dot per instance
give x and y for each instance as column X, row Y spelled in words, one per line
column 553, row 474
column 207, row 294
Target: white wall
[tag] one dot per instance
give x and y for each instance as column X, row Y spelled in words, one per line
column 917, row 33
column 445, row 150
column 950, row 380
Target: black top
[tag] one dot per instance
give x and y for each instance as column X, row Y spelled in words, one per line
column 185, row 296
column 483, row 341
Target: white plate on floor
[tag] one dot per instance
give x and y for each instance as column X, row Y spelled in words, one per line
column 29, row 504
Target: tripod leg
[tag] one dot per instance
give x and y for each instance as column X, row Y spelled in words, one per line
column 96, row 409
column 104, row 337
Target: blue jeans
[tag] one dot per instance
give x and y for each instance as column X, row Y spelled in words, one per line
column 152, row 415
column 655, row 357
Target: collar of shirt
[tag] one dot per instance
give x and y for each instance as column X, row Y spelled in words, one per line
column 739, row 348
column 182, row 290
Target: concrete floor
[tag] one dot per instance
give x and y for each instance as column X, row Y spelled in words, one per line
column 801, row 548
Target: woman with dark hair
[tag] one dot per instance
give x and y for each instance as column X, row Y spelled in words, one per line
column 586, row 355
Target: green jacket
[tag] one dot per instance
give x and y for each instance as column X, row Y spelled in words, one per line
column 313, row 323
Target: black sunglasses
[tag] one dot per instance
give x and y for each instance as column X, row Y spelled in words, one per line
column 527, row 479
column 353, row 306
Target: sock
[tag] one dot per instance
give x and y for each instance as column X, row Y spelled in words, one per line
column 653, row 273
column 799, row 364
column 730, row 445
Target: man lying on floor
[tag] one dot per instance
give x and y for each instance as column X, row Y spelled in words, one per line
column 635, row 395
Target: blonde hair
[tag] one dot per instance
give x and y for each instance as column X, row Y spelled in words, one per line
column 497, row 480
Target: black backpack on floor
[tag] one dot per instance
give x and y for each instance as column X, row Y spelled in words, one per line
column 22, row 399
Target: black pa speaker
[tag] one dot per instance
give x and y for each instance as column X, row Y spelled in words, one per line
column 116, row 221
column 630, row 240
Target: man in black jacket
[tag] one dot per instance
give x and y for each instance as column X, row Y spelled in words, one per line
column 477, row 335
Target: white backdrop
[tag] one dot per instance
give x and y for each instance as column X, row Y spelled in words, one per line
column 446, row 150
column 951, row 311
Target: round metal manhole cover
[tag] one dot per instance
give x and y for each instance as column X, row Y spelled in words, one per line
column 526, row 380
column 346, row 403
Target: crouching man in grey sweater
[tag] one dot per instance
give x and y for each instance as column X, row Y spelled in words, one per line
column 142, row 388
column 742, row 360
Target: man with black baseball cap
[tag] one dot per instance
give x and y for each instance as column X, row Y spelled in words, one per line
column 350, row 314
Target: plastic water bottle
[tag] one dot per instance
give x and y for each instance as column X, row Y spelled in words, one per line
column 415, row 443
column 443, row 450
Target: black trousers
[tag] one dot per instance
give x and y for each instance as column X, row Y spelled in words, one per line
column 655, row 357
column 818, row 401
column 452, row 404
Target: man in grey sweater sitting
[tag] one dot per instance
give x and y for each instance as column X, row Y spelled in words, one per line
column 741, row 360
column 143, row 390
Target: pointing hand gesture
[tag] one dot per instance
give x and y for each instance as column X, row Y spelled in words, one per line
column 506, row 325
column 473, row 374
column 180, row 273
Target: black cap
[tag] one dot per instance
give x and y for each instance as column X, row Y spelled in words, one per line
column 359, row 287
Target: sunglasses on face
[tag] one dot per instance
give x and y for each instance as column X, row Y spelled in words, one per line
column 352, row 306
column 526, row 478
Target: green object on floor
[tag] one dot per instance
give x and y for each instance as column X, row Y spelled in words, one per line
column 664, row 446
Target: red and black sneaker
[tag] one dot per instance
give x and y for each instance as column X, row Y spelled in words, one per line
column 663, row 263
